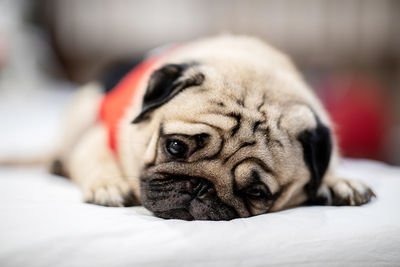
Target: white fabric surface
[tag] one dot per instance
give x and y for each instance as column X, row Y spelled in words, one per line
column 44, row 223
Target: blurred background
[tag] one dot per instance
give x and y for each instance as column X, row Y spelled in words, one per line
column 348, row 50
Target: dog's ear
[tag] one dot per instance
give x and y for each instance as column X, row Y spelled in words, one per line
column 317, row 149
column 164, row 84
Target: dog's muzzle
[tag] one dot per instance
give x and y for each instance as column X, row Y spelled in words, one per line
column 186, row 198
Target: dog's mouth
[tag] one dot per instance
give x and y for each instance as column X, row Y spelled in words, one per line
column 183, row 197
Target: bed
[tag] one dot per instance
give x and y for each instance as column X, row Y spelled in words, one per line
column 44, row 223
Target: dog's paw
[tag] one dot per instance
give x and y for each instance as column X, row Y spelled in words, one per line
column 111, row 195
column 342, row 192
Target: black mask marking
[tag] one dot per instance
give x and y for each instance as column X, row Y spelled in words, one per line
column 186, row 198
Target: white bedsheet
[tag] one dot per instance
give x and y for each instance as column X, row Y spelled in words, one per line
column 44, row 223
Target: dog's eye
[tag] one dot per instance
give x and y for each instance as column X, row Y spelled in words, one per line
column 176, row 148
column 258, row 191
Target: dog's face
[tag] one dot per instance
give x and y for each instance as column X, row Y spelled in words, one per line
column 228, row 141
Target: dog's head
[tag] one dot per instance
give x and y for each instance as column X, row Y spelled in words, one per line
column 228, row 141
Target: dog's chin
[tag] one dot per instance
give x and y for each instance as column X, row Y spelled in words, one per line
column 185, row 198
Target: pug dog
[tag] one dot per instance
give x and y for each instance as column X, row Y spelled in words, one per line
column 214, row 129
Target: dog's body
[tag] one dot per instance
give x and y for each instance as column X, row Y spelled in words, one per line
column 225, row 127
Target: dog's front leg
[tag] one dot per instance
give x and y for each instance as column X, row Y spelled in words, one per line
column 342, row 192
column 94, row 168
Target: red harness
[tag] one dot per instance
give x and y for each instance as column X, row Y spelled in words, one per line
column 115, row 103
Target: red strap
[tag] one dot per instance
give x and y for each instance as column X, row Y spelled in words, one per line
column 115, row 103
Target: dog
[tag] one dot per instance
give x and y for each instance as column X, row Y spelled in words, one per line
column 214, row 129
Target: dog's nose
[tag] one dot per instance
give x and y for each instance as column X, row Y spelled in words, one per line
column 201, row 187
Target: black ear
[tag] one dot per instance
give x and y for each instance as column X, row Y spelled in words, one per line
column 164, row 84
column 317, row 149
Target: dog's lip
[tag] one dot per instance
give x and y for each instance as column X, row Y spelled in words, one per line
column 165, row 214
